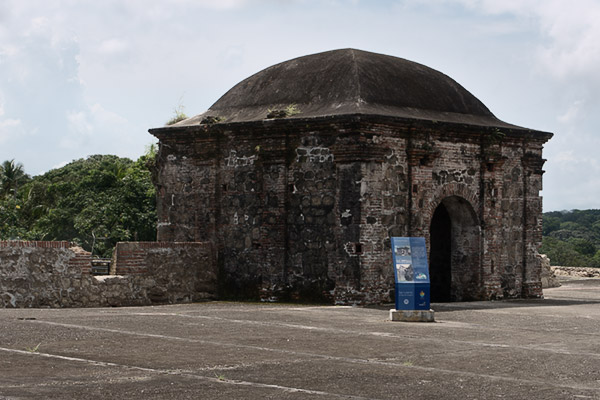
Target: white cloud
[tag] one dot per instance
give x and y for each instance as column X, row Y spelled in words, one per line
column 38, row 26
column 232, row 56
column 570, row 31
column 574, row 31
column 113, row 46
column 7, row 51
column 104, row 116
column 60, row 164
column 572, row 112
column 212, row 4
column 565, row 157
column 7, row 125
column 7, row 130
column 85, row 125
column 80, row 129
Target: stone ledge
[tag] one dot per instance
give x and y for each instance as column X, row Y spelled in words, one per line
column 412, row 315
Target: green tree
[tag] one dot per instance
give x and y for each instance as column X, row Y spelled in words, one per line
column 12, row 175
column 582, row 246
column 95, row 201
column 561, row 253
column 550, row 224
column 10, row 216
column 572, row 238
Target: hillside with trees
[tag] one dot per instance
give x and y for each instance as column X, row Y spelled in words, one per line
column 572, row 238
column 94, row 202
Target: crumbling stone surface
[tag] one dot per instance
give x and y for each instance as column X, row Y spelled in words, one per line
column 56, row 274
column 549, row 279
column 304, row 210
column 171, row 272
column 576, row 272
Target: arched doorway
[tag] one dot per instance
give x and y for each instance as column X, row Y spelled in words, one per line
column 454, row 260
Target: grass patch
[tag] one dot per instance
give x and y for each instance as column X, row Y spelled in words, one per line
column 33, row 349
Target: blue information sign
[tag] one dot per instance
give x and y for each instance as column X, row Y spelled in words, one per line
column 411, row 273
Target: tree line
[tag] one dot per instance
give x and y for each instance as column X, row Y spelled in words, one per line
column 93, row 202
column 572, row 238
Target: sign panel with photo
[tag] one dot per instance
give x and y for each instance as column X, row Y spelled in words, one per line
column 411, row 272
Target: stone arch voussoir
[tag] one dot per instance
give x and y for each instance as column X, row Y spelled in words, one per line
column 451, row 189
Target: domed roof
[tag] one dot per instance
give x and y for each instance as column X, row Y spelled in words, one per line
column 348, row 81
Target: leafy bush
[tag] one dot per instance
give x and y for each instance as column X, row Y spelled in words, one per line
column 97, row 202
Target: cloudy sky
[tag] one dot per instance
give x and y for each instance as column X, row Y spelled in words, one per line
column 82, row 77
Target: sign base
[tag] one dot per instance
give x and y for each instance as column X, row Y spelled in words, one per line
column 412, row 315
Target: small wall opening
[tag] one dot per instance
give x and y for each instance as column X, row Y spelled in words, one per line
column 455, row 252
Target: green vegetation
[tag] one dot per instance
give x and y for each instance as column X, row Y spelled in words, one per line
column 12, row 176
column 288, row 111
column 179, row 114
column 220, row 377
column 34, row 349
column 97, row 202
column 572, row 238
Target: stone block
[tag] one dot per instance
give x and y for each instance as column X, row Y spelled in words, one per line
column 412, row 315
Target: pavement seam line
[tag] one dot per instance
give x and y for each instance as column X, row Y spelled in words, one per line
column 188, row 374
column 326, row 357
column 379, row 334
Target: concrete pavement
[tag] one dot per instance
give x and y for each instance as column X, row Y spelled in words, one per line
column 535, row 349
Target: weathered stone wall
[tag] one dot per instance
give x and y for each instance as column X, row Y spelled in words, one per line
column 549, row 279
column 56, row 274
column 576, row 272
column 445, row 172
column 168, row 272
column 304, row 210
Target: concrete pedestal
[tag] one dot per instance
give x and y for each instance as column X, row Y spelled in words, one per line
column 412, row 315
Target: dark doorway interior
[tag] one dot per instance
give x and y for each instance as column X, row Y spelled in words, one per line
column 440, row 268
column 455, row 270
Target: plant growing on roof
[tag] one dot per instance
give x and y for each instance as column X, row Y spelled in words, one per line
column 291, row 109
column 180, row 115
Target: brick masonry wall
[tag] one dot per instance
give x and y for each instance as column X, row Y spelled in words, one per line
column 57, row 274
column 129, row 257
column 304, row 210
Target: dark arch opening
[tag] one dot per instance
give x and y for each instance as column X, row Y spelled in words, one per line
column 441, row 253
column 455, row 252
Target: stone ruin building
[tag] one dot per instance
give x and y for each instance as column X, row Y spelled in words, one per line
column 300, row 174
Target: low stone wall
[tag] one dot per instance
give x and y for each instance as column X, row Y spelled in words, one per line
column 549, row 279
column 57, row 274
column 579, row 272
column 180, row 271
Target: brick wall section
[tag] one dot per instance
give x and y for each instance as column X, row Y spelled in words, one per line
column 35, row 244
column 81, row 260
column 133, row 257
column 128, row 258
column 56, row 274
column 304, row 209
